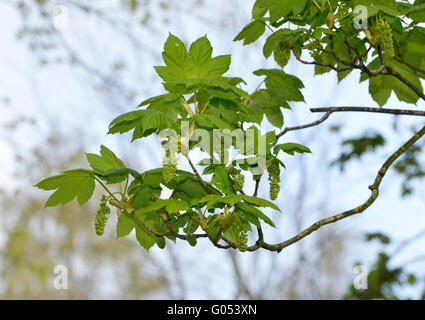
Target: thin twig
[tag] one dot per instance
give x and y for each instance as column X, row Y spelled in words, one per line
column 312, row 124
column 195, row 171
column 359, row 209
column 368, row 109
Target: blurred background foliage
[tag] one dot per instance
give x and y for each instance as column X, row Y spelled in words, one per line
column 100, row 66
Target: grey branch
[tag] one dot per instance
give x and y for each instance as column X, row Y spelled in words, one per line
column 359, row 209
column 368, row 109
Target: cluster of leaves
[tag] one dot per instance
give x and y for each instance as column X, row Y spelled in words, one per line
column 384, row 281
column 198, row 97
column 391, row 32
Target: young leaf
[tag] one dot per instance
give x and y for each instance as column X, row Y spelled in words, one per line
column 291, row 148
column 145, row 238
column 176, row 205
column 251, row 210
column 153, row 119
column 125, row 225
column 196, row 64
column 72, row 183
column 222, row 180
column 106, row 161
column 125, row 122
column 260, row 202
column 156, row 205
column 251, row 32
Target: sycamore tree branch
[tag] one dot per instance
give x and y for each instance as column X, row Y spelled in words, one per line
column 298, row 57
column 260, row 243
column 305, row 126
column 359, row 209
column 329, row 110
column 130, row 211
column 368, row 109
column 383, row 69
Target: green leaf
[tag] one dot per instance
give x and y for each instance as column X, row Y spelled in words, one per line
column 73, row 183
column 275, row 116
column 106, row 161
column 260, row 202
column 145, row 238
column 285, row 35
column 259, row 9
column 204, row 199
column 209, row 121
column 200, row 52
column 279, row 9
column 213, row 228
column 250, row 210
column 217, row 88
column 125, row 225
column 125, row 122
column 291, row 148
column 191, row 239
column 196, row 64
column 232, row 199
column 154, row 119
column 179, row 222
column 118, row 175
column 175, row 57
column 222, row 180
column 280, row 88
column 174, row 206
column 162, row 99
column 380, row 87
column 286, row 85
column 252, row 31
column 154, row 206
column 142, row 197
column 379, row 91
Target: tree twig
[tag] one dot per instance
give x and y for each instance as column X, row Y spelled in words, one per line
column 368, row 109
column 312, row 124
column 359, row 209
column 195, row 171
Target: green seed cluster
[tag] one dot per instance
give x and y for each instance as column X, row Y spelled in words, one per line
column 169, row 164
column 238, row 179
column 330, row 20
column 274, row 179
column 102, row 216
column 282, row 54
column 315, row 45
column 385, row 33
column 240, row 231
